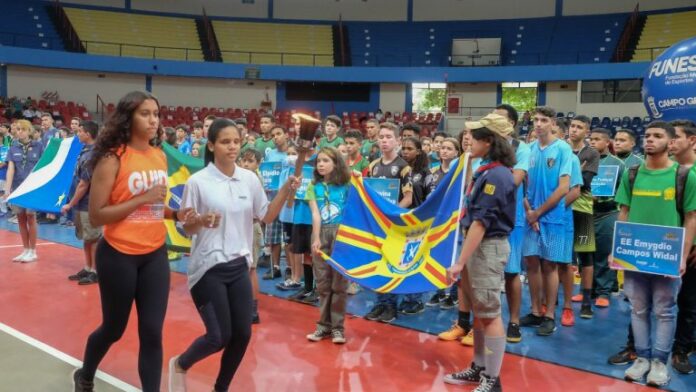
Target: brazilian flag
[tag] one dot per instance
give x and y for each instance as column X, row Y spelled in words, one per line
column 179, row 168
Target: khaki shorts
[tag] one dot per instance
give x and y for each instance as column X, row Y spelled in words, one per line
column 486, row 276
column 258, row 244
column 21, row 210
column 83, row 228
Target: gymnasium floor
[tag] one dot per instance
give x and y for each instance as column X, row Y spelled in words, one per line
column 45, row 320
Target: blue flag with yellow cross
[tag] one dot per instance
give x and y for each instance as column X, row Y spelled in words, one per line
column 389, row 249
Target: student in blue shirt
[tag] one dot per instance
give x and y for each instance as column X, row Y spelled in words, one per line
column 301, row 241
column 5, row 143
column 327, row 196
column 49, row 131
column 21, row 158
column 513, row 285
column 182, row 142
column 294, row 262
column 566, row 274
column 550, row 166
column 489, row 219
column 274, row 231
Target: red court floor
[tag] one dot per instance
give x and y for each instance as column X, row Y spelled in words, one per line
column 38, row 300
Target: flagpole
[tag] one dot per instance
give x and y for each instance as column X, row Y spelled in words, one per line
column 462, row 194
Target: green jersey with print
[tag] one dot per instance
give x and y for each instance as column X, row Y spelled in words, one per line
column 631, row 160
column 653, row 197
column 262, row 145
column 367, row 147
column 324, row 142
column 358, row 164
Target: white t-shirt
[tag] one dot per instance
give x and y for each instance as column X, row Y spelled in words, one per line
column 239, row 199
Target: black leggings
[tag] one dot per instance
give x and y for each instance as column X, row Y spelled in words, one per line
column 223, row 298
column 122, row 279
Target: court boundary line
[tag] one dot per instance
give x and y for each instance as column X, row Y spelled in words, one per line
column 54, row 352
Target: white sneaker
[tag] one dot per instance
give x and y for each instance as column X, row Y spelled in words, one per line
column 177, row 379
column 21, row 256
column 30, row 257
column 659, row 373
column 638, row 370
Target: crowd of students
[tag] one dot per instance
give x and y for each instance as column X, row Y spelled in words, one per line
column 530, row 210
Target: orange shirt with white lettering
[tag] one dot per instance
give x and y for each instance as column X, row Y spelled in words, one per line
column 143, row 231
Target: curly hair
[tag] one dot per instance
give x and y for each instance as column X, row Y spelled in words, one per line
column 117, row 129
column 421, row 163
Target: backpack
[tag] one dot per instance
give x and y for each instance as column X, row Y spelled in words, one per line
column 679, row 185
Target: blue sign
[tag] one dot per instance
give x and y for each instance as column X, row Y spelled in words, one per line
column 270, row 172
column 307, row 177
column 604, row 183
column 388, row 188
column 669, row 86
column 3, row 153
column 649, row 249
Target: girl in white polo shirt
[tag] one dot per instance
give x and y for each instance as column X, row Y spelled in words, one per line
column 227, row 198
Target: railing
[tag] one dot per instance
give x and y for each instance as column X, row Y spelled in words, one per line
column 471, row 112
column 30, row 40
column 101, row 107
column 245, row 57
column 213, row 44
column 147, row 51
column 66, row 27
column 652, row 53
column 475, row 60
column 534, row 58
column 622, row 46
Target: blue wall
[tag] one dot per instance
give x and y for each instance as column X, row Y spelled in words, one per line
column 326, row 108
column 85, row 62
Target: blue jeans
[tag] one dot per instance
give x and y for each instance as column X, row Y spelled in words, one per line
column 658, row 294
column 452, row 291
column 387, row 299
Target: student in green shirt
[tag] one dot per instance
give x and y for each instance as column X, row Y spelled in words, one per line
column 356, row 161
column 372, row 127
column 332, row 125
column 5, row 135
column 653, row 201
column 241, row 124
column 605, row 212
column 683, row 152
column 624, row 142
column 265, row 142
column 583, row 218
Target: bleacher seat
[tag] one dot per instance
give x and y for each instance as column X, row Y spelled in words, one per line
column 27, row 24
column 275, row 43
column 136, row 35
column 662, row 31
column 524, row 42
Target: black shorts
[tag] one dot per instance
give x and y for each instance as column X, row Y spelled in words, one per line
column 301, row 238
column 287, row 233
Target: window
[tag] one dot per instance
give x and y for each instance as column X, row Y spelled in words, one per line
column 428, row 97
column 611, row 91
column 521, row 95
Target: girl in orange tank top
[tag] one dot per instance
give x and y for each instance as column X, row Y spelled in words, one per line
column 127, row 197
